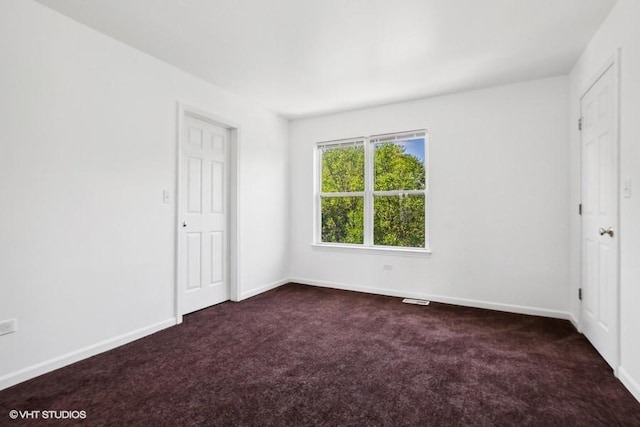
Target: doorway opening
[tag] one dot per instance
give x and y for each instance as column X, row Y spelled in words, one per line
column 599, row 312
column 206, row 211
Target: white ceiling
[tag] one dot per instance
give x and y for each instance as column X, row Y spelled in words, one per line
column 309, row 57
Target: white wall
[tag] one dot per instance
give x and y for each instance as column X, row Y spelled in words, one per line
column 499, row 200
column 87, row 145
column 619, row 31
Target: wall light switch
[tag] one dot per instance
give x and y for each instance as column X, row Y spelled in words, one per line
column 626, row 188
column 166, row 196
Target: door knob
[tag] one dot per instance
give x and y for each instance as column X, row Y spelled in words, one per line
column 602, row 231
column 184, row 224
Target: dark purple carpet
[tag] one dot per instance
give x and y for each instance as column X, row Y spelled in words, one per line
column 304, row 356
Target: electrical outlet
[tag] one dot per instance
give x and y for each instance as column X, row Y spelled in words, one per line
column 8, row 326
column 387, row 267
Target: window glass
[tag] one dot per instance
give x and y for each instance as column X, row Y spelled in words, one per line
column 399, row 165
column 343, row 168
column 399, row 220
column 343, row 220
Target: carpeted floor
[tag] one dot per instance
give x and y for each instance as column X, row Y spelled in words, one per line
column 304, row 356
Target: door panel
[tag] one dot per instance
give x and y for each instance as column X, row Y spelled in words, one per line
column 194, row 185
column 217, row 187
column 600, row 213
column 217, row 257
column 194, row 261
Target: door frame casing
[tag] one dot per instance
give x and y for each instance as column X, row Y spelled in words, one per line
column 185, row 110
column 613, row 63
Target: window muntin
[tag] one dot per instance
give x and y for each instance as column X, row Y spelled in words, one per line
column 372, row 192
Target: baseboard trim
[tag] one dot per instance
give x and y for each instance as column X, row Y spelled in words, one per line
column 519, row 309
column 574, row 320
column 38, row 369
column 262, row 289
column 629, row 382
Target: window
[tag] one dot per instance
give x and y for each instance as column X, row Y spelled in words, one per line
column 372, row 192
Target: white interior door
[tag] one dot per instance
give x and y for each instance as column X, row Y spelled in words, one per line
column 203, row 247
column 600, row 217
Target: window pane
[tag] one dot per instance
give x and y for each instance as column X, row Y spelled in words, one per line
column 343, row 169
column 399, row 221
column 399, row 165
column 343, row 219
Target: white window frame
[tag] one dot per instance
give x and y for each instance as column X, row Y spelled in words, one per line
column 368, row 194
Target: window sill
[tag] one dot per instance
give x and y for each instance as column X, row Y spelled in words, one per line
column 378, row 250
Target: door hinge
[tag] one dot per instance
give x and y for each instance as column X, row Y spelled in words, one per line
column 580, row 209
column 580, row 123
column 580, row 294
